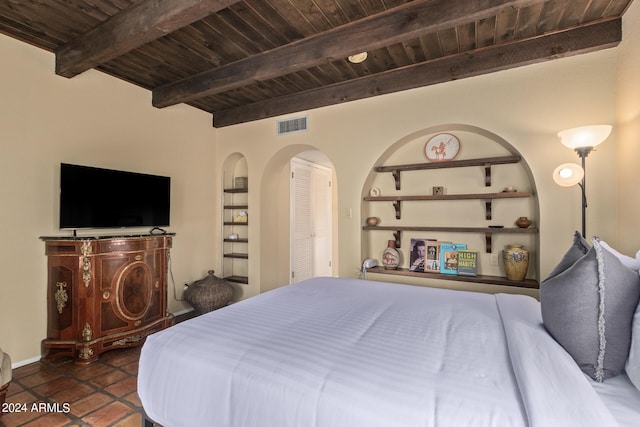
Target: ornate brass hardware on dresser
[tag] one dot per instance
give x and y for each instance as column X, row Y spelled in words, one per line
column 61, row 296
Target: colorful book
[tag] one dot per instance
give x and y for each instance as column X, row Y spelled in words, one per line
column 418, row 252
column 432, row 257
column 449, row 257
column 467, row 262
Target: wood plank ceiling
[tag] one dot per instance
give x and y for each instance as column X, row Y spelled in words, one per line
column 254, row 59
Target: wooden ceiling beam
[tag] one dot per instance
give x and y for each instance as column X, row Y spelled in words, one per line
column 130, row 29
column 408, row 21
column 579, row 40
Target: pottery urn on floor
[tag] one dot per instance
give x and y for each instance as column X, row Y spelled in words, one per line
column 209, row 294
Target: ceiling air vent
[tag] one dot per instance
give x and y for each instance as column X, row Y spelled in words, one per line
column 293, row 125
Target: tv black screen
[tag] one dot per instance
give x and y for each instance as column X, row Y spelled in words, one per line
column 104, row 198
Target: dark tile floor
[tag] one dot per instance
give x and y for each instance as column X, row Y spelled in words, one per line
column 103, row 394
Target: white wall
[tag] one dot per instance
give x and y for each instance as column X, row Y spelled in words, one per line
column 96, row 120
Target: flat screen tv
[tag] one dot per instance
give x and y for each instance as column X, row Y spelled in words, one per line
column 104, row 198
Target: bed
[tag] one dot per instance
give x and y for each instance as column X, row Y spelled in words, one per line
column 345, row 352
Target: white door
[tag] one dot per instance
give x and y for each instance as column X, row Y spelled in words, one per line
column 310, row 220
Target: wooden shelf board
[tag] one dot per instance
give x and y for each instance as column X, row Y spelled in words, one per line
column 236, row 190
column 237, row 240
column 236, row 206
column 478, row 196
column 450, row 164
column 236, row 255
column 238, row 279
column 510, row 230
column 492, row 280
column 235, row 223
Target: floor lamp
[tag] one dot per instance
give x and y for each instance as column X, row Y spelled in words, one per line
column 582, row 140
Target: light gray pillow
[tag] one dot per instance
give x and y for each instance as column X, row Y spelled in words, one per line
column 587, row 303
column 632, row 263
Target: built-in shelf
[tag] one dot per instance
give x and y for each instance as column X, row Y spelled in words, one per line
column 238, row 279
column 488, row 231
column 236, row 255
column 493, row 280
column 513, row 230
column 235, row 251
column 486, row 162
column 487, row 197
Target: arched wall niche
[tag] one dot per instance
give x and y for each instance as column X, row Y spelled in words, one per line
column 234, row 165
column 475, row 143
column 274, row 239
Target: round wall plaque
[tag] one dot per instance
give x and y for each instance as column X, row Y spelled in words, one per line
column 442, row 147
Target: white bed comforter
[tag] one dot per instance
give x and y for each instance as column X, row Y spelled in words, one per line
column 340, row 352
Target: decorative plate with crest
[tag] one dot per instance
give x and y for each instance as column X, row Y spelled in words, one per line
column 442, row 147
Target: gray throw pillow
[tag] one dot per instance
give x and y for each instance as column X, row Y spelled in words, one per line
column 587, row 303
column 575, row 252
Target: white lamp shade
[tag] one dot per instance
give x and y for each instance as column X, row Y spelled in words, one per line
column 568, row 174
column 585, row 136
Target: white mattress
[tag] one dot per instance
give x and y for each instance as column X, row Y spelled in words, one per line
column 341, row 352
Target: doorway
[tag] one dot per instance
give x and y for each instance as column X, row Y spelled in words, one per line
column 311, row 207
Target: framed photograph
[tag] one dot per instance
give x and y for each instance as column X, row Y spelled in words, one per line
column 442, row 147
column 417, row 257
column 432, row 257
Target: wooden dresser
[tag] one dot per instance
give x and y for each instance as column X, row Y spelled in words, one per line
column 104, row 293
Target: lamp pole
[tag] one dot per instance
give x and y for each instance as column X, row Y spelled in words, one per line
column 583, row 152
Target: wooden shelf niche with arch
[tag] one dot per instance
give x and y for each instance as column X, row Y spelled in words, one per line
column 235, row 220
column 474, row 199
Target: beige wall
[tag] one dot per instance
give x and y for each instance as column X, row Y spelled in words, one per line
column 628, row 125
column 526, row 107
column 97, row 120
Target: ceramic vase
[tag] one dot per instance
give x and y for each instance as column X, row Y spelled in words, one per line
column 390, row 256
column 372, row 221
column 516, row 262
column 523, row 222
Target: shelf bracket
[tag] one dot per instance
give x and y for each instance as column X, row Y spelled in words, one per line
column 487, row 174
column 397, row 234
column 487, row 209
column 396, row 178
column 397, row 205
column 488, row 241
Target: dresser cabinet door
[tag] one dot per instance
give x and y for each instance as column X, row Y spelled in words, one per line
column 130, row 291
column 62, row 299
